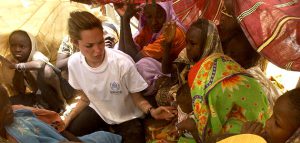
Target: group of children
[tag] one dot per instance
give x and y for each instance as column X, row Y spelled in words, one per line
column 216, row 97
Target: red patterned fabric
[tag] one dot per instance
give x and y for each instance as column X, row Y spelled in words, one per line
column 273, row 29
column 187, row 11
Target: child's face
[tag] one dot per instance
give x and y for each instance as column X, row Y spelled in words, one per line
column 20, row 46
column 283, row 123
column 236, row 49
column 194, row 46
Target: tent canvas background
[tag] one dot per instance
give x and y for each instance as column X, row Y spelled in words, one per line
column 44, row 19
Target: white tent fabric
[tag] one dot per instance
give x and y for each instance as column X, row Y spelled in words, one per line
column 44, row 19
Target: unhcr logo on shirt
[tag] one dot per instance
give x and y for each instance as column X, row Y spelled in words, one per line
column 115, row 88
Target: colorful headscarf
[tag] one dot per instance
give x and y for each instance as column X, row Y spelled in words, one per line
column 273, row 29
column 212, row 45
column 224, row 96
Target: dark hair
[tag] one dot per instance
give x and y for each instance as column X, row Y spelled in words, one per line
column 247, row 57
column 201, row 24
column 184, row 96
column 294, row 97
column 22, row 32
column 82, row 20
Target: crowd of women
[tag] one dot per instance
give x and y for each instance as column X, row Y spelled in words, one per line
column 167, row 83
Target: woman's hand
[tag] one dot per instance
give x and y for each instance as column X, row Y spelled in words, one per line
column 131, row 10
column 7, row 63
column 169, row 31
column 163, row 113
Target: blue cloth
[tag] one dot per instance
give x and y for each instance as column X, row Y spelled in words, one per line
column 28, row 128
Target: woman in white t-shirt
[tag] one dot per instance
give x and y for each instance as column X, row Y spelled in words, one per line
column 108, row 83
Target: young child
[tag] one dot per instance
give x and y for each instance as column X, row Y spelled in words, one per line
column 186, row 123
column 284, row 122
column 31, row 73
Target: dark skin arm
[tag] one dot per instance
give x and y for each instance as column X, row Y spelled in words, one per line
column 32, row 65
column 130, row 46
column 190, row 126
column 169, row 31
column 166, row 60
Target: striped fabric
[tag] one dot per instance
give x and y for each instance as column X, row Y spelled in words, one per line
column 273, row 29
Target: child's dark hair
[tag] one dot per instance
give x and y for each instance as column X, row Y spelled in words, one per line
column 294, row 97
column 22, row 32
column 201, row 24
column 184, row 99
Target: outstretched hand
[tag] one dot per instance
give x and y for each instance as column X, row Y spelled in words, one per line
column 7, row 63
column 164, row 113
column 127, row 10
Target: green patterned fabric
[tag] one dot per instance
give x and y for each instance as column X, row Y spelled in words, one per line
column 224, row 96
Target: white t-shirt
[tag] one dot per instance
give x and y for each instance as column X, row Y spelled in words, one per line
column 108, row 86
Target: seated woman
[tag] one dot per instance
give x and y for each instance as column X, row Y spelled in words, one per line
column 147, row 43
column 32, row 72
column 224, row 96
column 24, row 125
column 202, row 40
column 146, row 47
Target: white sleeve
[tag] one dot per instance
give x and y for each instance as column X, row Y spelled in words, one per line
column 134, row 81
column 39, row 56
column 73, row 81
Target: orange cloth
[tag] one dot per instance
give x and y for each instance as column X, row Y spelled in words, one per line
column 154, row 49
column 47, row 116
